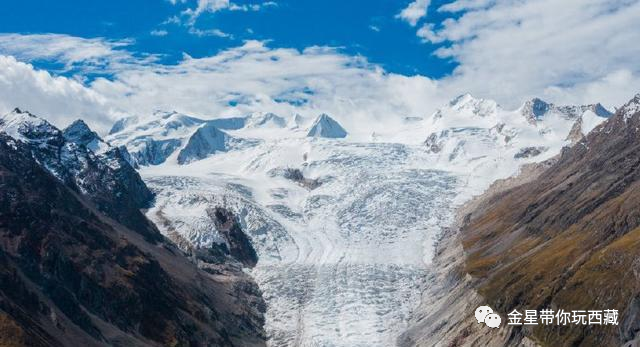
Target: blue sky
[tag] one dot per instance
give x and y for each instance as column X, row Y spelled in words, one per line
column 357, row 60
column 360, row 27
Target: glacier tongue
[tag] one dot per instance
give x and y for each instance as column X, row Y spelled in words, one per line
column 342, row 264
column 344, row 229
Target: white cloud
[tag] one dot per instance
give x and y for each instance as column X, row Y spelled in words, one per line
column 213, row 6
column 209, row 32
column 254, row 77
column 513, row 49
column 465, row 5
column 574, row 51
column 159, row 33
column 59, row 99
column 73, row 53
column 613, row 89
column 415, row 11
column 63, row 48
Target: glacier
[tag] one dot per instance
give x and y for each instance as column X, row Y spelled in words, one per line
column 343, row 261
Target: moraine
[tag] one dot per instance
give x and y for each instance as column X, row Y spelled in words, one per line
column 340, row 265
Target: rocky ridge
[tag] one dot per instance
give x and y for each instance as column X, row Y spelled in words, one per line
column 81, row 265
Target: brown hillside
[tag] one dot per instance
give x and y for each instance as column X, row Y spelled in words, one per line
column 569, row 239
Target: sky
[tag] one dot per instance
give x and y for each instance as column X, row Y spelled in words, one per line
column 357, row 60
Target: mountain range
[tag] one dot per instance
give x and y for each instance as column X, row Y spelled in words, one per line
column 83, row 266
column 260, row 228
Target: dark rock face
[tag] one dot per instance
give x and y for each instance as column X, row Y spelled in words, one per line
column 239, row 245
column 297, row 176
column 434, row 142
column 575, row 134
column 107, row 178
column 536, row 109
column 70, row 276
column 528, row 152
column 569, row 239
column 80, row 133
column 155, row 152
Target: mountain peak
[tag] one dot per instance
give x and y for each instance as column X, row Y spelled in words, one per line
column 468, row 100
column 18, row 114
column 535, row 109
column 206, row 141
column 630, row 108
column 469, row 106
column 26, row 127
column 600, row 110
column 78, row 127
column 325, row 126
column 266, row 120
column 80, row 133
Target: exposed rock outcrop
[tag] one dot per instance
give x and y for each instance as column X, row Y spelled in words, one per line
column 72, row 276
column 568, row 239
column 297, row 176
column 237, row 243
column 104, row 176
column 529, row 152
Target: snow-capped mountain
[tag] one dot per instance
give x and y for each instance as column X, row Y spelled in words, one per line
column 562, row 232
column 104, row 175
column 180, row 138
column 480, row 133
column 536, row 110
column 177, row 137
column 325, row 126
column 151, row 141
column 206, row 140
column 80, row 133
column 75, row 271
column 265, row 120
column 338, row 218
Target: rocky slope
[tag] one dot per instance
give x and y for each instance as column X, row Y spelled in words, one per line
column 563, row 237
column 569, row 238
column 445, row 316
column 81, row 265
column 103, row 175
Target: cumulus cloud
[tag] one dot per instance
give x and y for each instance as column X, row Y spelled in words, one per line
column 254, row 77
column 58, row 99
column 574, row 51
column 514, row 49
column 414, row 12
column 85, row 54
column 64, row 48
